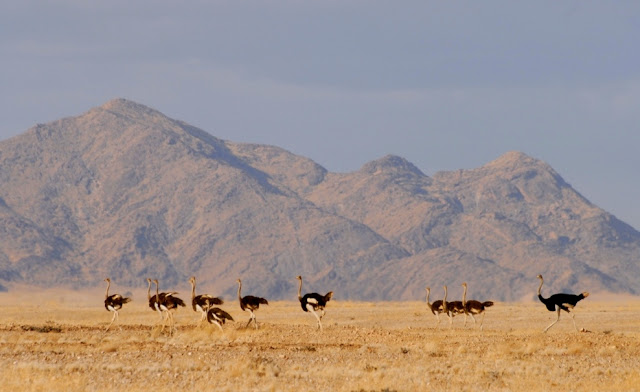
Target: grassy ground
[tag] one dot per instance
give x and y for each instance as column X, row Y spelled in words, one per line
column 56, row 341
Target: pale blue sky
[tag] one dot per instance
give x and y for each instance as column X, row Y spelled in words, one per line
column 445, row 84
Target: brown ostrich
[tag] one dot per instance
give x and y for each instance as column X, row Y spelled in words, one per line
column 473, row 307
column 201, row 303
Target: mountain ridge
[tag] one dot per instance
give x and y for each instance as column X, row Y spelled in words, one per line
column 125, row 191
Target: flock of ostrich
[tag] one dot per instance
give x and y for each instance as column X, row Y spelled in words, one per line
column 166, row 302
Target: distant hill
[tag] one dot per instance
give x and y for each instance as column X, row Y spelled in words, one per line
column 126, row 192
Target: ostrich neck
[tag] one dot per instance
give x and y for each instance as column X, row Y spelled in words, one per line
column 193, row 290
column 464, row 295
column 300, row 290
column 149, row 291
column 240, row 291
column 106, row 295
column 428, row 293
column 540, row 287
column 444, row 301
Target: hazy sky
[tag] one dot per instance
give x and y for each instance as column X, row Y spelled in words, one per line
column 444, row 84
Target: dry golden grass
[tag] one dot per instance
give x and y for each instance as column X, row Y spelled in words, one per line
column 389, row 346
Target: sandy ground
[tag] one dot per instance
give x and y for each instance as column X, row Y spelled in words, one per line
column 56, row 341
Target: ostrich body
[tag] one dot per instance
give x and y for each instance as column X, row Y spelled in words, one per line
column 167, row 302
column 113, row 303
column 560, row 301
column 473, row 307
column 250, row 303
column 202, row 302
column 218, row 316
column 454, row 308
column 313, row 302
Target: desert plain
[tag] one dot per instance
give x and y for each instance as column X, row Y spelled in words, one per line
column 55, row 340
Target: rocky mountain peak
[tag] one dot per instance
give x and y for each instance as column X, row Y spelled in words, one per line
column 514, row 161
column 125, row 106
column 391, row 164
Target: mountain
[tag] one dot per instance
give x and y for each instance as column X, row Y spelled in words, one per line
column 126, row 192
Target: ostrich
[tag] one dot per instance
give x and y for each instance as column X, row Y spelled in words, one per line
column 560, row 301
column 473, row 307
column 250, row 303
column 313, row 302
column 153, row 300
column 454, row 308
column 445, row 304
column 202, row 302
column 435, row 307
column 113, row 303
column 167, row 302
column 217, row 316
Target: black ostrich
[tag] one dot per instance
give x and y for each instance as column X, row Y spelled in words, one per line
column 113, row 303
column 167, row 303
column 250, row 303
column 436, row 307
column 473, row 307
column 153, row 300
column 561, row 301
column 312, row 302
column 202, row 302
column 218, row 316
